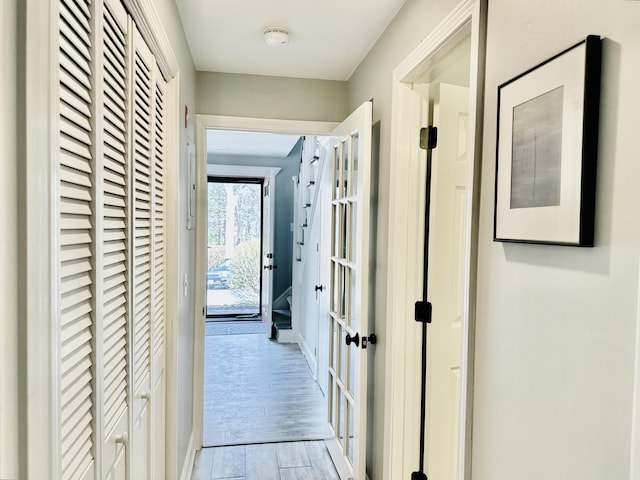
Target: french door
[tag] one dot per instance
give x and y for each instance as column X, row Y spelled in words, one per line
column 349, row 334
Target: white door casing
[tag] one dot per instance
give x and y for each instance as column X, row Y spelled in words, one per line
column 446, row 269
column 324, row 212
column 350, row 164
column 243, row 124
column 405, row 244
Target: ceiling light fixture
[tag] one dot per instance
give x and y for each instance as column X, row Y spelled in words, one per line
column 276, row 36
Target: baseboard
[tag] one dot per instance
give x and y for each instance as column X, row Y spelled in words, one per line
column 187, row 467
column 286, row 336
column 311, row 359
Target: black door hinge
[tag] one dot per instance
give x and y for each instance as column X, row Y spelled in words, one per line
column 429, row 137
column 423, row 312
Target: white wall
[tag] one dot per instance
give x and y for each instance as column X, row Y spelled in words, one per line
column 372, row 80
column 556, row 325
column 8, row 252
column 271, row 97
column 186, row 238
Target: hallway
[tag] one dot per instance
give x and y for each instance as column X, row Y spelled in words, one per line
column 257, row 390
column 282, row 461
column 264, row 414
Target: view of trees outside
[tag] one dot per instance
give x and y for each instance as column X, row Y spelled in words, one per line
column 234, row 226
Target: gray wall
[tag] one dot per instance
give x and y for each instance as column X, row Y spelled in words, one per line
column 186, row 238
column 8, row 241
column 557, row 326
column 283, row 237
column 271, row 97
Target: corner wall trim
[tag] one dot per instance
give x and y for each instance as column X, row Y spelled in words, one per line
column 189, row 460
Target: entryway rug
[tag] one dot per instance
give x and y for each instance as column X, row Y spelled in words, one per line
column 234, row 327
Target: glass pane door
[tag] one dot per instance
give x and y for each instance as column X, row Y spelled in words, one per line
column 234, row 215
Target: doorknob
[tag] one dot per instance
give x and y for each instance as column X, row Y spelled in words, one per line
column 122, row 439
column 146, row 395
column 319, row 288
column 355, row 339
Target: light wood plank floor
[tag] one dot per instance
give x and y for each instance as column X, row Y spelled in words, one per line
column 259, row 391
column 264, row 414
column 281, row 461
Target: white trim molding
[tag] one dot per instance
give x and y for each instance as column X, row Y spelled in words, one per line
column 38, row 111
column 244, row 124
column 189, row 461
column 267, row 125
column 148, row 22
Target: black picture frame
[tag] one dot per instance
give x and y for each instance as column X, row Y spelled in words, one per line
column 546, row 150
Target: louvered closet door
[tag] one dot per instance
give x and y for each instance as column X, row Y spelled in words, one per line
column 114, row 286
column 75, row 362
column 159, row 280
column 142, row 253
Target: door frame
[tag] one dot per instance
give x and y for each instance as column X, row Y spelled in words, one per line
column 242, row 124
column 405, row 244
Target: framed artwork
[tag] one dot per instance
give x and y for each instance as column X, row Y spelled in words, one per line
column 547, row 150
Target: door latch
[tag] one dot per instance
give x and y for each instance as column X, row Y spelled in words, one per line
column 371, row 339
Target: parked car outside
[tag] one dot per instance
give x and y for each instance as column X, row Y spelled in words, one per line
column 220, row 276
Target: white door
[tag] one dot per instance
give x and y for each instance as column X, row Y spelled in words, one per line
column 350, row 159
column 446, row 268
column 115, row 248
column 142, row 161
column 266, row 301
column 158, row 320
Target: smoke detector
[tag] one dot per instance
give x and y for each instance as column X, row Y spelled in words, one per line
column 276, row 36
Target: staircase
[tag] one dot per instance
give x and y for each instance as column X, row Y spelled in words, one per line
column 281, row 319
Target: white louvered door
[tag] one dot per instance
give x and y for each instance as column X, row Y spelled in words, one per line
column 115, row 236
column 142, row 203
column 109, row 400
column 158, row 343
column 76, row 165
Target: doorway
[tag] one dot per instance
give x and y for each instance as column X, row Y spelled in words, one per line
column 234, row 243
column 437, row 85
column 350, row 153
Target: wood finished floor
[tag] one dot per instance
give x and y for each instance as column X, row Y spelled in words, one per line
column 264, row 414
column 259, row 391
column 282, row 461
